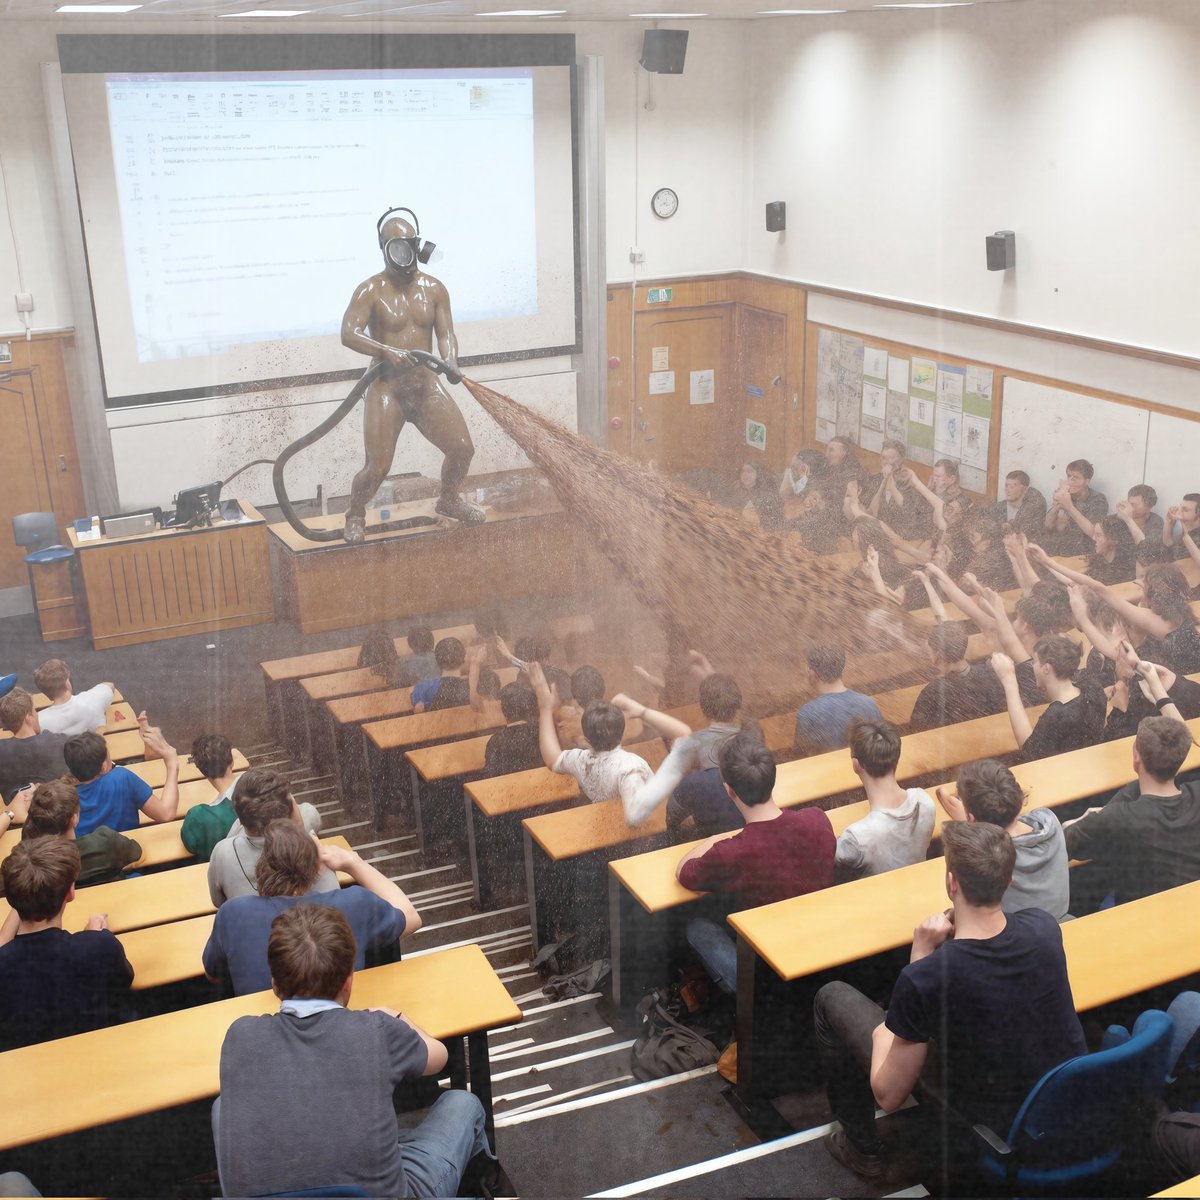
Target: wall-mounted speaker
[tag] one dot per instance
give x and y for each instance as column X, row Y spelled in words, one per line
column 663, row 50
column 776, row 216
column 1001, row 250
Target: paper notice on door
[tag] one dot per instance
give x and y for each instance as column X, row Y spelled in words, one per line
column 702, row 388
column 662, row 383
column 660, row 358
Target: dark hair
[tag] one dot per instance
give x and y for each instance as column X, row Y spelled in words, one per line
column 38, row 875
column 85, row 755
column 213, row 755
column 948, row 465
column 876, row 745
column 1149, row 552
column 748, row 767
column 1022, row 477
column 1060, row 654
column 51, row 810
column 603, row 725
column 1100, row 611
column 379, row 653
column 720, row 697
column 289, row 864
column 843, row 440
column 52, row 677
column 1162, row 744
column 14, row 708
column 518, row 702
column 488, row 683
column 871, row 535
column 1041, row 618
column 1145, row 492
column 1166, row 591
column 587, row 684
column 537, row 649
column 1114, row 529
column 981, row 856
column 1081, row 466
column 1192, row 497
column 420, row 639
column 449, row 653
column 948, row 641
column 1053, row 596
column 988, row 528
column 260, row 797
column 990, row 792
column 826, row 661
column 311, row 952
column 892, row 444
column 560, row 682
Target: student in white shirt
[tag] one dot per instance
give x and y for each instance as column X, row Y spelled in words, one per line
column 70, row 713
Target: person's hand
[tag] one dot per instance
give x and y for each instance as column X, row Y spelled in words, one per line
column 1078, row 602
column 1123, row 510
column 1118, row 695
column 1153, row 679
column 541, row 689
column 951, row 804
column 335, row 857
column 1012, row 542
column 873, row 558
column 629, row 706
column 152, row 738
column 931, row 933
column 887, row 471
column 97, row 921
column 936, row 570
column 699, row 665
column 1003, row 666
column 19, row 804
column 1037, row 553
column 479, row 654
column 1174, row 512
column 969, row 583
column 989, row 600
column 398, row 357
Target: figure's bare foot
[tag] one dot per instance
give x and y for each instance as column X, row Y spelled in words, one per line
column 459, row 509
column 355, row 530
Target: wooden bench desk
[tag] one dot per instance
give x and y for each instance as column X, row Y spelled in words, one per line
column 1189, row 1189
column 118, row 717
column 127, row 746
column 160, row 844
column 165, row 954
column 452, row 994
column 154, row 771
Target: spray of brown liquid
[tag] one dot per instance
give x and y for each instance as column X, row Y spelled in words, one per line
column 751, row 600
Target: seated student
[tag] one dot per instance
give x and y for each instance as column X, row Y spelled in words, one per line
column 449, row 689
column 897, row 830
column 805, row 469
column 54, row 812
column 574, row 694
column 824, row 722
column 989, row 987
column 419, row 662
column 1067, row 528
column 889, row 577
column 892, row 497
column 779, row 853
column 702, row 800
column 820, row 525
column 1137, row 514
column 1075, row 716
column 70, row 712
column 841, row 468
column 1182, row 518
column 1146, row 839
column 286, row 875
column 114, row 796
column 1023, row 507
column 515, row 747
column 32, row 754
column 52, row 983
column 1132, row 697
column 272, row 1067
column 207, row 824
column 1112, row 561
column 758, row 492
column 379, row 653
column 988, row 791
column 483, row 687
column 963, row 692
column 605, row 771
column 259, row 797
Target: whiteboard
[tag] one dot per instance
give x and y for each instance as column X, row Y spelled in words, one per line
column 1172, row 458
column 1044, row 428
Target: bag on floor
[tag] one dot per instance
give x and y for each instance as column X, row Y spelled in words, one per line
column 665, row 1046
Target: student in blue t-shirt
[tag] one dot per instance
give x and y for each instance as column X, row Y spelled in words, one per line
column 450, row 689
column 113, row 796
column 824, row 722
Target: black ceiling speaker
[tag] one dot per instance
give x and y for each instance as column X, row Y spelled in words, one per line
column 663, row 50
column 1001, row 250
column 776, row 216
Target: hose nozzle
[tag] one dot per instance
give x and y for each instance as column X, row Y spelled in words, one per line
column 439, row 366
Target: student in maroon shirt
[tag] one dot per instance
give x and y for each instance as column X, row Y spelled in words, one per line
column 776, row 855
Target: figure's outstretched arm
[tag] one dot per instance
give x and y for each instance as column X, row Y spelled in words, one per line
column 443, row 326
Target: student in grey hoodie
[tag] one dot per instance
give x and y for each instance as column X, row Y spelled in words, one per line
column 988, row 791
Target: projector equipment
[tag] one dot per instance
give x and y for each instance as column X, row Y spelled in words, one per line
column 1001, row 250
column 776, row 216
column 403, row 253
column 663, row 50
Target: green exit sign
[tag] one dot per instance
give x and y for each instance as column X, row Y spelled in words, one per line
column 659, row 295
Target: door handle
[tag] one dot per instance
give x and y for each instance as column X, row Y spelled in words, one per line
column 642, row 427
column 62, row 462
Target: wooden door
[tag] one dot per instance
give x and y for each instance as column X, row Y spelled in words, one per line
column 22, row 471
column 668, row 428
column 765, row 388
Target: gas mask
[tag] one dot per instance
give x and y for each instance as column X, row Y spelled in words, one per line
column 403, row 253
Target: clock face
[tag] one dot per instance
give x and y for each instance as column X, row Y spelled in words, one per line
column 664, row 203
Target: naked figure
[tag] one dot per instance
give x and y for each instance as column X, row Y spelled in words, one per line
column 397, row 310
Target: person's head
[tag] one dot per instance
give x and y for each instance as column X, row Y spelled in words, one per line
column 947, row 643
column 1034, row 616
column 838, row 450
column 944, row 475
column 874, row 747
column 748, row 475
column 39, row 877
column 1079, row 476
column 868, row 534
column 53, row 678
column 289, row 863
column 532, row 649
column 406, row 264
column 799, row 464
column 1053, row 596
column 1058, row 656
column 560, row 684
column 1101, row 613
column 587, row 684
column 260, row 797
column 1146, row 553
column 892, row 453
column 420, row 640
column 311, row 953
column 826, row 662
column 518, row 702
column 213, row 755
column 1166, row 592
column 1161, row 745
column 720, row 697
column 980, row 858
column 378, row 652
column 1142, row 499
column 990, row 792
column 1189, row 509
column 449, row 654
column 603, row 725
column 1016, row 484
column 16, row 710
column 1108, row 534
column 488, row 684
column 53, row 811
column 984, row 533
column 747, row 768
column 86, row 756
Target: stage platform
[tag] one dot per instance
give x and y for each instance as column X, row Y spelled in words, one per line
column 403, row 573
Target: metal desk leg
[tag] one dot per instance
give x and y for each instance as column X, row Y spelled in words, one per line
column 415, row 784
column 472, row 850
column 531, row 889
column 456, row 1052
column 481, row 1080
column 747, row 968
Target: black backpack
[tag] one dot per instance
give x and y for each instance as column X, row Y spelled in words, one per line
column 666, row 1046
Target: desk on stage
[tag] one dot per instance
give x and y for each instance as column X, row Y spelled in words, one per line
column 174, row 582
column 426, row 568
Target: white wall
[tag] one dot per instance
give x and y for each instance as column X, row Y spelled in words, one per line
column 900, row 139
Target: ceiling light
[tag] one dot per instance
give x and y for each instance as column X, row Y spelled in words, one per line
column 799, row 12
column 944, row 4
column 270, row 12
column 667, row 16
column 97, row 8
column 526, row 12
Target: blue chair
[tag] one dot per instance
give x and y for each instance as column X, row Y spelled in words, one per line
column 1077, row 1121
column 7, row 683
